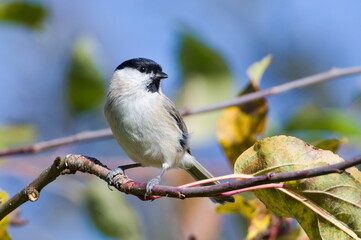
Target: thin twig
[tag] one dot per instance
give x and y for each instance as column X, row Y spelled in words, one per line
column 42, row 146
column 106, row 133
column 73, row 163
column 302, row 82
column 68, row 165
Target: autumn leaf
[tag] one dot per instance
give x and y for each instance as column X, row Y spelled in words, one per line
column 238, row 127
column 327, row 207
column 4, row 222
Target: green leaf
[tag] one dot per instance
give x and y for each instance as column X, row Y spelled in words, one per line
column 111, row 213
column 238, row 127
column 27, row 14
column 207, row 79
column 85, row 88
column 330, row 120
column 332, row 144
column 4, row 223
column 327, row 207
column 196, row 58
column 16, row 135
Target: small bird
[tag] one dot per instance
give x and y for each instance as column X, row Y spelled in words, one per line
column 147, row 125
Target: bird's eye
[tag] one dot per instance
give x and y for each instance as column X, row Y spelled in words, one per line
column 142, row 69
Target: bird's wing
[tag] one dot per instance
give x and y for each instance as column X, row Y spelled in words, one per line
column 173, row 112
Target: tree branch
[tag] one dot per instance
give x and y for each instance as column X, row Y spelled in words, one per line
column 302, row 82
column 42, row 146
column 68, row 165
column 72, row 163
column 106, row 133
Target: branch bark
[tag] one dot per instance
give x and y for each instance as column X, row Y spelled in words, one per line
column 106, row 133
column 72, row 163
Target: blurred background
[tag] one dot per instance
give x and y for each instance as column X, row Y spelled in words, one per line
column 57, row 58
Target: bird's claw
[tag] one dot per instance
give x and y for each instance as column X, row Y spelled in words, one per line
column 153, row 182
column 111, row 176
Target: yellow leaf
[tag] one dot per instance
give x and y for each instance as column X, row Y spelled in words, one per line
column 257, row 69
column 4, row 222
column 325, row 205
column 258, row 225
column 242, row 206
column 238, row 127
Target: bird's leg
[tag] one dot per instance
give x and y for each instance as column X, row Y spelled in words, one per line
column 120, row 171
column 156, row 180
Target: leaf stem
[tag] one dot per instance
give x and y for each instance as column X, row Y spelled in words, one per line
column 264, row 186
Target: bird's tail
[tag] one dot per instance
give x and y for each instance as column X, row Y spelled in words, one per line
column 198, row 172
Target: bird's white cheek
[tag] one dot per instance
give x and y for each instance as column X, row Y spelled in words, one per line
column 130, row 81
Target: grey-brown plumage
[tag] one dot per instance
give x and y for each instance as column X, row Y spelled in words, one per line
column 195, row 169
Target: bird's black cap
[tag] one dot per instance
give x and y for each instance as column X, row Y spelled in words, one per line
column 142, row 65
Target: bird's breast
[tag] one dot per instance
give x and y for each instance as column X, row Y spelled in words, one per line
column 140, row 129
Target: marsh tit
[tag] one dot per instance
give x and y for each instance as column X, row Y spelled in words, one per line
column 147, row 125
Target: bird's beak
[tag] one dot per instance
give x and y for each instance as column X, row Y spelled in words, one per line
column 161, row 75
